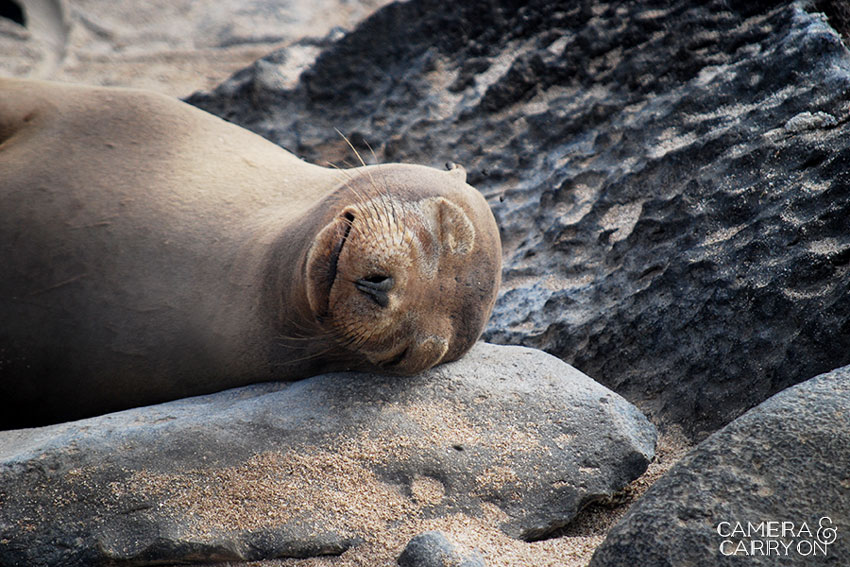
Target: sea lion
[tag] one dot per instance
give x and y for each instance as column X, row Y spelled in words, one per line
column 151, row 251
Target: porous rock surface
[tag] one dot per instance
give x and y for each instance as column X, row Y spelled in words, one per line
column 509, row 435
column 670, row 178
column 785, row 462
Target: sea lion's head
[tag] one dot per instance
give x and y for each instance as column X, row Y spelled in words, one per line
column 405, row 272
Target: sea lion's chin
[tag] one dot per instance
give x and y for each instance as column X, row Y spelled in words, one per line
column 417, row 355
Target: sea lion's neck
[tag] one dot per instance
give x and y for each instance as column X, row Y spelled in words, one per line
column 282, row 309
column 266, row 310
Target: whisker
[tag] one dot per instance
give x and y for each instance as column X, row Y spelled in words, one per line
column 291, row 338
column 368, row 145
column 304, row 329
column 359, row 198
column 350, row 145
column 305, row 357
column 362, row 162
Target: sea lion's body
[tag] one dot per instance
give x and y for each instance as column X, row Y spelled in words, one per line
column 151, row 251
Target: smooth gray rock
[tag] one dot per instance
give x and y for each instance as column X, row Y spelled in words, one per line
column 434, row 549
column 304, row 469
column 787, row 460
column 669, row 176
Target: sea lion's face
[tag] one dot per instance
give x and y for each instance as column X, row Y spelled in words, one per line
column 407, row 284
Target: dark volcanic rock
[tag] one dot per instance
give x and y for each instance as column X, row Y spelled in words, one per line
column 783, row 461
column 310, row 468
column 434, row 549
column 670, row 178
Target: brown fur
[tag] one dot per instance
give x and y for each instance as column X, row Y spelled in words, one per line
column 151, row 251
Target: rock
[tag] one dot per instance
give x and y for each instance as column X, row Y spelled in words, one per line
column 433, row 549
column 669, row 177
column 175, row 47
column 784, row 461
column 317, row 466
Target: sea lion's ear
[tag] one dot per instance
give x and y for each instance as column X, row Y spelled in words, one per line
column 454, row 230
column 456, row 171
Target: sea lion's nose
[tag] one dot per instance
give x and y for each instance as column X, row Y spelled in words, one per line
column 376, row 288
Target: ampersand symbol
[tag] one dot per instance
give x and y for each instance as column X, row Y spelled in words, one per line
column 826, row 534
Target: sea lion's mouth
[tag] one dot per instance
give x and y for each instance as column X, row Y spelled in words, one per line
column 394, row 360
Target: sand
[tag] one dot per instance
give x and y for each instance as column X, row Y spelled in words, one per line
column 383, row 517
column 175, row 47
